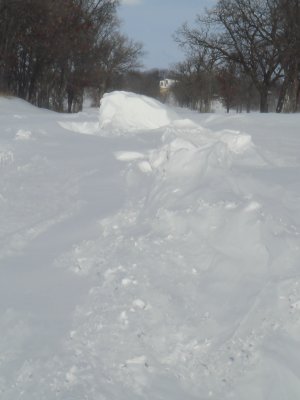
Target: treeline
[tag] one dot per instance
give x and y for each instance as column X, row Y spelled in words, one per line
column 245, row 51
column 52, row 50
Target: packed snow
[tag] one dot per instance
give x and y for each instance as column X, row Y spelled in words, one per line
column 148, row 253
column 124, row 112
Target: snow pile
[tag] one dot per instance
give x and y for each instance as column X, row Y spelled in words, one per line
column 86, row 128
column 127, row 112
column 190, row 150
column 184, row 152
column 6, row 156
column 17, row 108
column 23, row 135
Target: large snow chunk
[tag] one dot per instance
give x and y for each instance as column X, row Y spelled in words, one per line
column 124, row 111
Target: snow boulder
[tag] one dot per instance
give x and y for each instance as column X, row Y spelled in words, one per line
column 122, row 112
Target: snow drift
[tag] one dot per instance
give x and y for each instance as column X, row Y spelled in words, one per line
column 127, row 112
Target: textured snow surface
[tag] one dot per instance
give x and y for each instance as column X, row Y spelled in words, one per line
column 152, row 266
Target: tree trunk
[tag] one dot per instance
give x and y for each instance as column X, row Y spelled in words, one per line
column 60, row 91
column 70, row 99
column 263, row 108
column 248, row 106
column 282, row 95
column 289, row 91
column 297, row 97
column 295, row 94
column 31, row 89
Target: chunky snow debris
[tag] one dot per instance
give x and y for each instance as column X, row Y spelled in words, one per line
column 6, row 156
column 23, row 135
column 123, row 111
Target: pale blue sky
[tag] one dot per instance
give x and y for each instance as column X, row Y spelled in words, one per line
column 153, row 22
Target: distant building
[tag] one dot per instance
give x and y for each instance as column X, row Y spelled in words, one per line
column 166, row 94
column 166, row 84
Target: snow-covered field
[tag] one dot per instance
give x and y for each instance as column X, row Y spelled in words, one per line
column 148, row 253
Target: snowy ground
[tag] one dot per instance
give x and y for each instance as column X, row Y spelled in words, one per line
column 151, row 255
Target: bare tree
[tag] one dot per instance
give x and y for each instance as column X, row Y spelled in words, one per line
column 242, row 32
column 288, row 41
column 196, row 79
column 141, row 82
column 50, row 50
column 229, row 86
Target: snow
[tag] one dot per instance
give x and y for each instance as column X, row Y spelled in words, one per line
column 124, row 111
column 153, row 253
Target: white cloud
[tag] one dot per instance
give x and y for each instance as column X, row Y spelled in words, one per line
column 131, row 2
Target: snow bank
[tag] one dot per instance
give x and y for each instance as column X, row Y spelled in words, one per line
column 18, row 108
column 124, row 111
